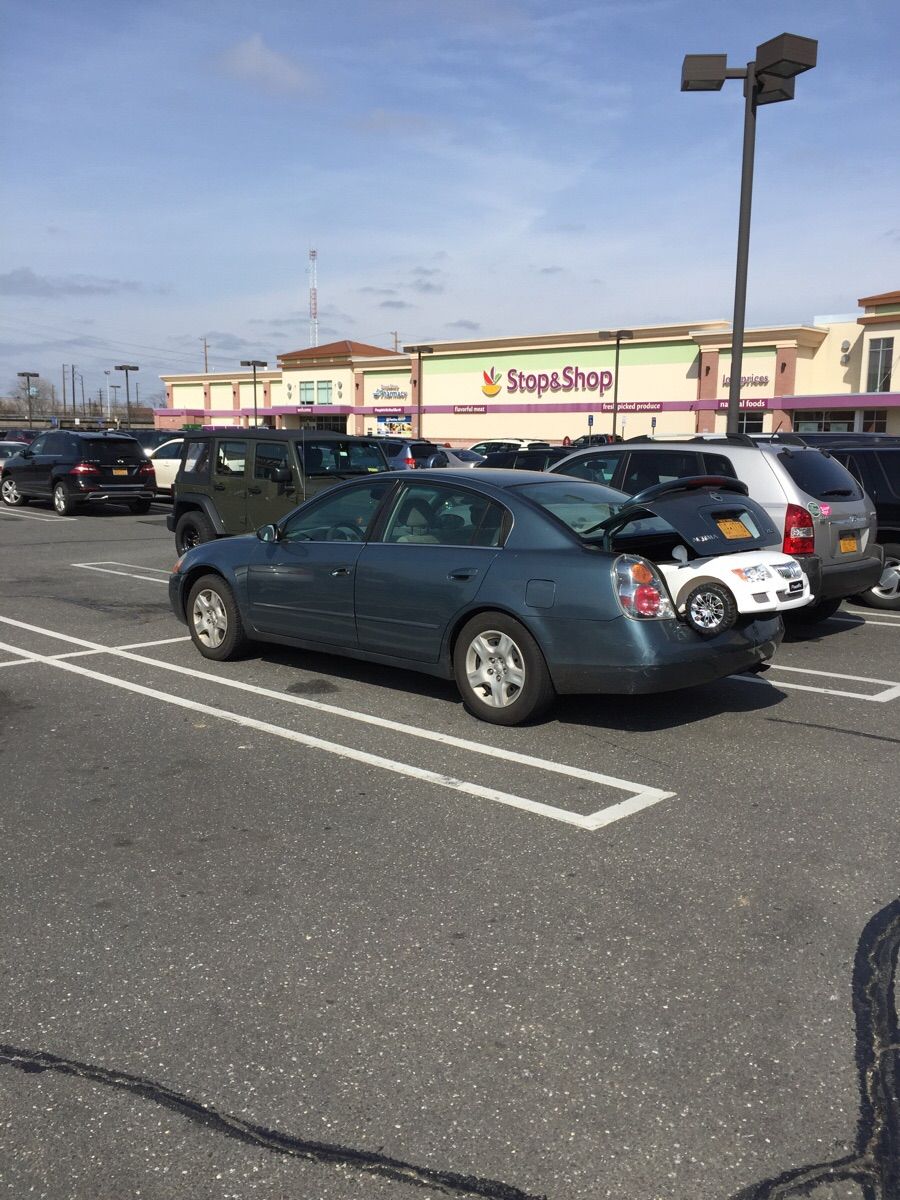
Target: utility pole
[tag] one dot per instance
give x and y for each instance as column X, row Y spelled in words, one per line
column 73, row 392
column 396, row 336
column 64, row 369
column 205, row 356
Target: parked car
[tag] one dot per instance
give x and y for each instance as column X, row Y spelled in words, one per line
column 149, row 439
column 166, row 459
column 8, row 449
column 505, row 581
column 877, row 467
column 593, row 439
column 495, row 445
column 233, row 480
column 18, row 435
column 525, row 460
column 827, row 521
column 72, row 469
column 446, row 456
column 407, row 454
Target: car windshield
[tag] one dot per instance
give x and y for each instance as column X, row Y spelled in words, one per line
column 583, row 507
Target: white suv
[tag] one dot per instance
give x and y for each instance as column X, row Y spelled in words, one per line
column 828, row 521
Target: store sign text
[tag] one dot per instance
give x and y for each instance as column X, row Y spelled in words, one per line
column 569, row 379
column 388, row 412
column 632, row 406
column 477, row 410
column 389, row 391
column 747, row 380
column 746, row 404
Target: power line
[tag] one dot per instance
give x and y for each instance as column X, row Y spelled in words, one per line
column 91, row 340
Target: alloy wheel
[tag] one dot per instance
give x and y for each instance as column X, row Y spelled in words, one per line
column 209, row 618
column 707, row 610
column 10, row 491
column 495, row 668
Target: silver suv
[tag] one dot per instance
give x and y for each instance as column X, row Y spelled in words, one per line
column 828, row 521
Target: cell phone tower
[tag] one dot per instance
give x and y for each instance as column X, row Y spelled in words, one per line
column 313, row 300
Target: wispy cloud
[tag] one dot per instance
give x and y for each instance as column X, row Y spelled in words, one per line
column 398, row 304
column 24, row 282
column 253, row 62
column 465, row 326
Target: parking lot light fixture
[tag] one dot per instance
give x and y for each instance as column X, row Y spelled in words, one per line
column 768, row 79
column 126, row 367
column 418, row 351
column 621, row 335
column 254, row 363
column 28, row 376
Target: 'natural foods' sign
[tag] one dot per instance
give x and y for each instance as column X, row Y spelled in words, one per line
column 539, row 383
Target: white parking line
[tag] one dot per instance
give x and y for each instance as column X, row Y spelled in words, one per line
column 866, row 620
column 28, row 516
column 891, row 692
column 642, row 797
column 106, row 569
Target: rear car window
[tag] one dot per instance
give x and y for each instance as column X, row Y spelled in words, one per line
column 819, row 476
column 422, row 450
column 340, row 458
column 110, row 450
column 646, row 468
column 580, row 506
column 196, row 461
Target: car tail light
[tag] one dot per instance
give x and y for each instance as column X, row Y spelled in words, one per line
column 85, row 469
column 146, row 468
column 640, row 590
column 799, row 533
column 410, row 461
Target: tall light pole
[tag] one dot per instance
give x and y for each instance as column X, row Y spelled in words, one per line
column 768, row 79
column 621, row 335
column 418, row 351
column 254, row 363
column 28, row 376
column 114, row 388
column 126, row 367
column 108, row 404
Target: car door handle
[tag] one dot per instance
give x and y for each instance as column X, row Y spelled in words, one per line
column 342, row 571
column 254, row 491
column 463, row 573
column 218, row 487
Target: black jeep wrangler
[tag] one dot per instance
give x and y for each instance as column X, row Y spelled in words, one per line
column 234, row 480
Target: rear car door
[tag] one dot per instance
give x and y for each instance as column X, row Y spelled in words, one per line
column 436, row 546
column 229, row 482
column 646, row 468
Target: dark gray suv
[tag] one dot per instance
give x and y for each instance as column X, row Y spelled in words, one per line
column 235, row 480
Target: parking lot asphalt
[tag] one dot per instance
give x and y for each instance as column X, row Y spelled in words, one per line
column 299, row 926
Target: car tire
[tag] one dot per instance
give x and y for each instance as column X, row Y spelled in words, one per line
column 500, row 671
column 192, row 529
column 214, row 619
column 9, row 490
column 888, row 596
column 140, row 506
column 812, row 614
column 63, row 500
column 710, row 609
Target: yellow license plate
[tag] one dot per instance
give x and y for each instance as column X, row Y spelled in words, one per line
column 849, row 543
column 732, row 528
column 119, row 471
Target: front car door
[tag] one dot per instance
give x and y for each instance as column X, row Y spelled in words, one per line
column 32, row 469
column 302, row 585
column 269, row 499
column 434, row 551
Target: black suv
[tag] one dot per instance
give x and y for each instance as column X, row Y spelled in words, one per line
column 72, row 468
column 525, row 460
column 877, row 467
column 235, row 480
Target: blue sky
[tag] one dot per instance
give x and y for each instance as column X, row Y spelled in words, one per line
column 463, row 167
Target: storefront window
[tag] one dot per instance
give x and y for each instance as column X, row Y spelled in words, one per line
column 881, row 352
column 750, row 422
column 323, row 391
column 307, row 395
column 824, row 421
column 874, row 420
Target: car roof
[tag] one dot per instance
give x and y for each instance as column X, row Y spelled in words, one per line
column 283, row 434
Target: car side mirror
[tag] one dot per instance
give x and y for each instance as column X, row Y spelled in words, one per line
column 27, row 452
column 282, row 475
column 267, row 533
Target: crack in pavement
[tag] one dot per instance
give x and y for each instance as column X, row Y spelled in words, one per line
column 369, row 1162
column 875, row 1164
